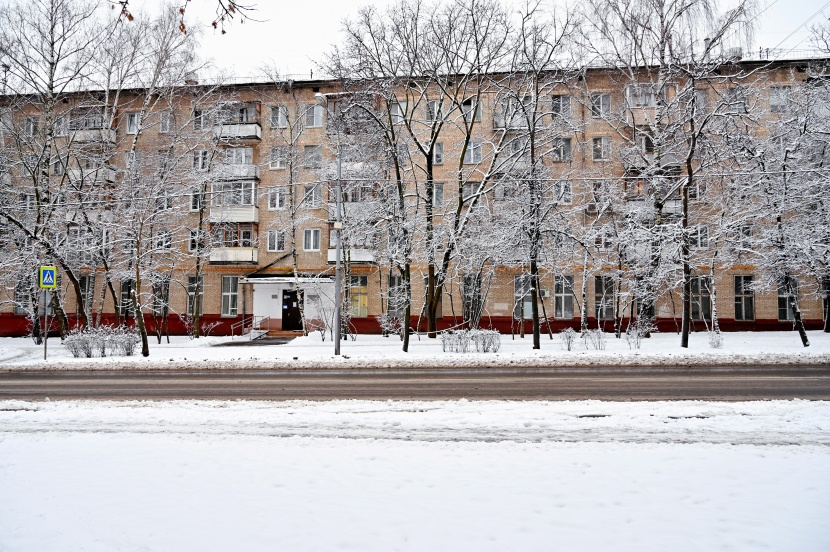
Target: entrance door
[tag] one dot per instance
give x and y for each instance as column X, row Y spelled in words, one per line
column 291, row 319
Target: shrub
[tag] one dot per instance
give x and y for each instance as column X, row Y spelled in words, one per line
column 462, row 341
column 568, row 337
column 715, row 339
column 594, row 340
column 637, row 331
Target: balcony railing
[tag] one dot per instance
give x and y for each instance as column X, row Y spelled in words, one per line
column 94, row 135
column 234, row 255
column 237, row 172
column 355, row 255
column 234, row 213
column 99, row 175
column 238, row 131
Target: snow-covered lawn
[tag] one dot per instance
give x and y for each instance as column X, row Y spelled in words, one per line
column 379, row 351
column 382, row 476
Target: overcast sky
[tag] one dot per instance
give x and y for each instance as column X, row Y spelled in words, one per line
column 293, row 34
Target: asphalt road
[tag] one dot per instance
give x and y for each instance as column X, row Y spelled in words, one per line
column 642, row 384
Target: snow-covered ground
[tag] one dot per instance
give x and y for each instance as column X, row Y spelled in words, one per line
column 379, row 351
column 385, row 475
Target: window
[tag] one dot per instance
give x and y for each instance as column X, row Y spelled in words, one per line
column 471, row 110
column 601, row 148
column 125, row 304
column 787, row 297
column 199, row 119
column 31, row 125
column 132, row 161
column 57, row 165
column 563, row 297
column 311, row 239
column 314, row 115
column 276, row 198
column 230, row 295
column 395, row 297
column 398, row 112
column 645, row 144
column 312, row 157
column 701, row 298
column 561, row 150
column 642, row 95
column 522, row 303
column 196, row 199
column 473, row 152
column 561, row 107
column 435, row 111
column 279, row 116
column 161, row 297
column 311, row 196
column 163, row 240
column 166, row 121
column 600, row 105
column 193, row 239
column 278, row 158
column 472, row 299
column 164, row 201
column 87, row 284
column 359, row 296
column 779, row 99
column 516, row 112
column 239, row 156
column 438, row 153
column 701, row 100
column 276, row 240
column 563, row 192
column 696, row 190
column 438, row 194
column 238, row 113
column 200, row 160
column 734, row 101
column 194, row 285
column 133, row 120
column 699, row 237
column 604, row 297
column 61, row 125
column 234, row 193
column 744, row 298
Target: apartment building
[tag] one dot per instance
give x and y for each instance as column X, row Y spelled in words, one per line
column 222, row 199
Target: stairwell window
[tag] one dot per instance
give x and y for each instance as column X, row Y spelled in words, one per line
column 230, row 295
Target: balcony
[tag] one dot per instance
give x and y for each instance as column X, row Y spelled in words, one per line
column 100, row 175
column 238, row 131
column 237, row 172
column 234, row 213
column 94, row 135
column 355, row 255
column 234, row 255
column 90, row 214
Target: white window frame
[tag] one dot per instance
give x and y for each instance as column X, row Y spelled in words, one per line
column 196, row 199
column 61, row 125
column 438, row 194
column 230, row 296
column 779, row 99
column 561, row 150
column 133, row 122
column 312, row 196
column 313, row 116
column 279, row 116
column 699, row 237
column 438, row 153
column 311, row 239
column 601, row 148
column 600, row 105
column 192, row 239
column 397, row 112
column 237, row 192
column 239, row 156
column 471, row 105
column 277, row 198
column 166, row 121
column 435, row 111
column 472, row 155
column 201, row 160
column 563, row 295
column 563, row 192
column 276, row 240
column 312, row 156
column 31, row 125
column 278, row 157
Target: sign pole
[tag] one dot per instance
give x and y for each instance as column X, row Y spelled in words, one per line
column 47, row 279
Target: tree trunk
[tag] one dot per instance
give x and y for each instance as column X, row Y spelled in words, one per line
column 792, row 299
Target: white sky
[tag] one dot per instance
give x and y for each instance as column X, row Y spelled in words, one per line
column 293, row 34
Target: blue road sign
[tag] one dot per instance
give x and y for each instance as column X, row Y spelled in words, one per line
column 48, row 277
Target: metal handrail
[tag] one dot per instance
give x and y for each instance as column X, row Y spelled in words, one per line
column 251, row 322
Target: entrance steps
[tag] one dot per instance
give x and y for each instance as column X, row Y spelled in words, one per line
column 285, row 333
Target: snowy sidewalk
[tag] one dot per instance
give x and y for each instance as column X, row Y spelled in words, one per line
column 374, row 351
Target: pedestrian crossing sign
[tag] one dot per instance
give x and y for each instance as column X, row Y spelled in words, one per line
column 48, row 277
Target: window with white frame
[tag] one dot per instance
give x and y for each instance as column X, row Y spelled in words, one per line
column 515, row 112
column 278, row 158
column 438, row 194
column 279, row 116
column 560, row 150
column 133, row 120
column 276, row 240
column 642, row 95
column 701, row 298
column 471, row 109
column 600, row 105
column 561, row 107
column 313, row 115
column 734, row 101
column 61, row 125
column 312, row 157
column 196, row 199
column 522, row 299
column 164, row 200
column 235, row 235
column 195, row 285
column 563, row 297
column 779, row 98
column 312, row 196
column 696, row 190
column 398, row 112
column 604, row 297
column 192, row 239
column 31, row 125
column 239, row 156
column 311, row 239
column 359, row 296
column 234, row 193
column 276, row 198
column 435, row 111
column 438, row 153
column 699, row 236
column 200, row 119
column 201, row 160
column 230, row 295
column 132, row 161
column 58, row 165
column 473, row 152
column 601, row 148
column 163, row 239
column 787, row 297
column 744, row 298
column 563, row 192
column 166, row 123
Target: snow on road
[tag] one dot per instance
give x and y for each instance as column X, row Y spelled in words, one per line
column 387, row 475
column 378, row 351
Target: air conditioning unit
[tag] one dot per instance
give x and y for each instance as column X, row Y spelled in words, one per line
column 591, row 208
column 544, row 293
